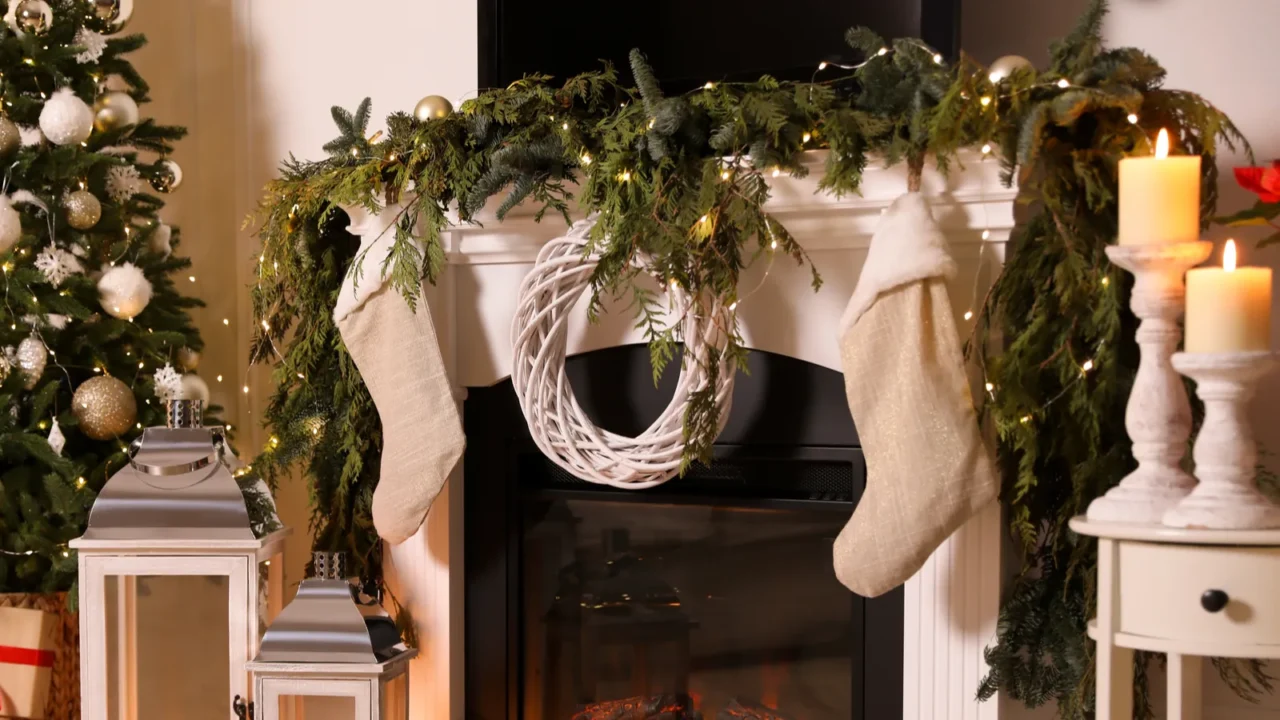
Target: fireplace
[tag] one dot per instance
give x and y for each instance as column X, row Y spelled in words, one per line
column 709, row 597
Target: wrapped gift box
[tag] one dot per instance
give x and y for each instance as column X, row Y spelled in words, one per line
column 27, row 642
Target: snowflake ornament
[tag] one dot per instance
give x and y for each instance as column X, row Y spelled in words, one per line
column 168, row 383
column 93, row 43
column 122, row 182
column 57, row 440
column 57, row 265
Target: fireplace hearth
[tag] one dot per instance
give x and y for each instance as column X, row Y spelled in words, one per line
column 711, row 597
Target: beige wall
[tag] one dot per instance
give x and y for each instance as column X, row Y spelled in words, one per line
column 254, row 81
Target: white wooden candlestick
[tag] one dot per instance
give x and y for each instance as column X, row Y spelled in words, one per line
column 1158, row 417
column 1226, row 453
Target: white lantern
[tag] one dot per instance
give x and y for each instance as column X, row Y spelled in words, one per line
column 170, row 522
column 328, row 644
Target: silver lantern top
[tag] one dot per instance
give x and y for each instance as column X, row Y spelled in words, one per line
column 328, row 623
column 177, row 485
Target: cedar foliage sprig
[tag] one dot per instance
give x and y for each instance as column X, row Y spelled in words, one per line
column 679, row 187
column 1059, row 304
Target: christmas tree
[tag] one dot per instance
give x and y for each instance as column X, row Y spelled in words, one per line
column 94, row 332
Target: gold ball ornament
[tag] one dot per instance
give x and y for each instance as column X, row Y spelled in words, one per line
column 432, row 107
column 5, row 367
column 33, row 356
column 168, row 177
column 112, row 15
column 113, row 111
column 10, row 138
column 34, row 16
column 1005, row 66
column 189, row 359
column 83, row 209
column 105, row 407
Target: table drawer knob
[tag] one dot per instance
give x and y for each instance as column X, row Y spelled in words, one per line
column 1214, row 600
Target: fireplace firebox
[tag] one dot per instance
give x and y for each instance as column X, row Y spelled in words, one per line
column 711, row 597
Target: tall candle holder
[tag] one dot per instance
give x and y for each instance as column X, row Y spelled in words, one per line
column 1158, row 416
column 1226, row 454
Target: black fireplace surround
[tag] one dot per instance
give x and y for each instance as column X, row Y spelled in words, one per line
column 709, row 597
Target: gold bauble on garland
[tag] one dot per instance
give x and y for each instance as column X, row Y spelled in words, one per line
column 168, row 177
column 432, row 107
column 10, row 138
column 113, row 111
column 83, row 209
column 105, row 408
column 1006, row 66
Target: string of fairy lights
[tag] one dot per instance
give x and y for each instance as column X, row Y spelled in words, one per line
column 730, row 172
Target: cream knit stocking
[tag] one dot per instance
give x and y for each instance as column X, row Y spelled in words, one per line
column 928, row 469
column 398, row 355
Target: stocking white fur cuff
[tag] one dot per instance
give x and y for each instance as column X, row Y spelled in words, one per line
column 908, row 247
column 365, row 276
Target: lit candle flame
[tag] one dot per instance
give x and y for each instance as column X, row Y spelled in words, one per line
column 1162, row 144
column 1229, row 256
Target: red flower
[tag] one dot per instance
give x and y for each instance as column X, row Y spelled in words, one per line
column 1261, row 181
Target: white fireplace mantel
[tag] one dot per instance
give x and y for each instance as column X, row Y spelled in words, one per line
column 950, row 606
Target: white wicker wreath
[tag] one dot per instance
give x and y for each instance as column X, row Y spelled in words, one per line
column 558, row 424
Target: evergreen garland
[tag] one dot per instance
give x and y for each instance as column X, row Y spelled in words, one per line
column 45, row 497
column 682, row 181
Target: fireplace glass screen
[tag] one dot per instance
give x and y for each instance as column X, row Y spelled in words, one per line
column 671, row 611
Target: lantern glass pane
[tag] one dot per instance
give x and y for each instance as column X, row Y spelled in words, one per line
column 167, row 648
column 315, row 707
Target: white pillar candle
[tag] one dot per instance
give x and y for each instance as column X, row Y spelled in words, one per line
column 1160, row 197
column 1228, row 308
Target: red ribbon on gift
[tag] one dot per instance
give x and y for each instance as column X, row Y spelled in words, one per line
column 26, row 656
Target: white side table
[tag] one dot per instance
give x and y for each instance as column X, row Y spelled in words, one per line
column 1187, row 593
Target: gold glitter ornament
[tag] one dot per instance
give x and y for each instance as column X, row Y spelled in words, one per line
column 10, row 138
column 33, row 356
column 105, row 407
column 189, row 359
column 83, row 209
column 432, row 107
column 5, row 367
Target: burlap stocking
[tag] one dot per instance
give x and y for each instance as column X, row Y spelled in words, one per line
column 398, row 355
column 928, row 469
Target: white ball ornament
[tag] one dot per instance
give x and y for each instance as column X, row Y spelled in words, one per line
column 1005, row 66
column 194, row 388
column 10, row 225
column 124, row 291
column 66, row 119
column 162, row 240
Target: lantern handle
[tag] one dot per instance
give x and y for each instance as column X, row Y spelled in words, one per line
column 219, row 446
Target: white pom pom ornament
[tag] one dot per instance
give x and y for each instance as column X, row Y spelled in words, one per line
column 66, row 119
column 124, row 291
column 10, row 225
